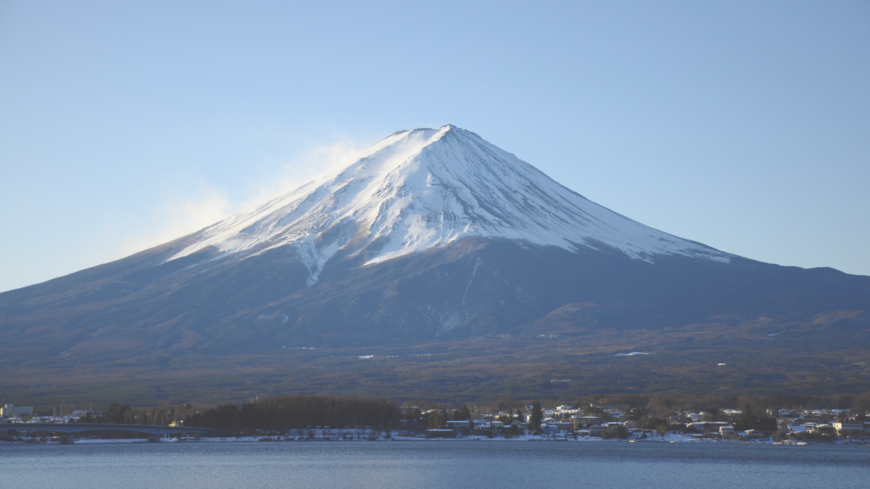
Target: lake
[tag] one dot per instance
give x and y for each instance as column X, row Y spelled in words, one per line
column 453, row 464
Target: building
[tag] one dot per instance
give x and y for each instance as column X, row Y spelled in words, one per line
column 62, row 409
column 10, row 411
column 612, row 429
column 726, row 431
column 462, row 423
column 708, row 426
column 550, row 429
column 587, row 421
column 849, row 427
column 753, row 434
column 821, row 429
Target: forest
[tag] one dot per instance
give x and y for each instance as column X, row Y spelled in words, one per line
column 291, row 412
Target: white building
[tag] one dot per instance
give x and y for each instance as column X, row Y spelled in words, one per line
column 11, row 411
column 849, row 426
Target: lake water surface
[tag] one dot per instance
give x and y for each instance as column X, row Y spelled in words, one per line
column 453, row 464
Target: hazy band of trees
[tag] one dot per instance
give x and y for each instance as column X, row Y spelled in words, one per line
column 289, row 412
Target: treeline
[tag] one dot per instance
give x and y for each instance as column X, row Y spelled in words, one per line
column 294, row 412
column 155, row 415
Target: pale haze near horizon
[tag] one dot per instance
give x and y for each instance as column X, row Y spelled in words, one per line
column 744, row 126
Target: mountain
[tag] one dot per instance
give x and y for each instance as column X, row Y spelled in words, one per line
column 424, row 189
column 433, row 238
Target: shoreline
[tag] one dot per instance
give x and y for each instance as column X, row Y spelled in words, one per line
column 337, row 436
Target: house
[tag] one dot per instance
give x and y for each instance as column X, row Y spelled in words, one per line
column 726, row 431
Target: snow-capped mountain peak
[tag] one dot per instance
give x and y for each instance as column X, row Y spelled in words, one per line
column 426, row 188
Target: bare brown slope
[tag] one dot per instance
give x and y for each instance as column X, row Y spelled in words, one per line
column 204, row 317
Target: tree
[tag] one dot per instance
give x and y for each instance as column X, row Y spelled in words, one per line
column 116, row 414
column 436, row 418
column 662, row 430
column 621, row 432
column 462, row 413
column 536, row 417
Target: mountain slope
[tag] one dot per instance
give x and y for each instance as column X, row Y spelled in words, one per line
column 433, row 237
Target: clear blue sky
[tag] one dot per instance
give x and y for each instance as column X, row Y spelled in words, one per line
column 742, row 125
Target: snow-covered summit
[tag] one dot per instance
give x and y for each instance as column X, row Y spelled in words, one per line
column 425, row 188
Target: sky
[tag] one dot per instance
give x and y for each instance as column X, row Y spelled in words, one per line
column 741, row 125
